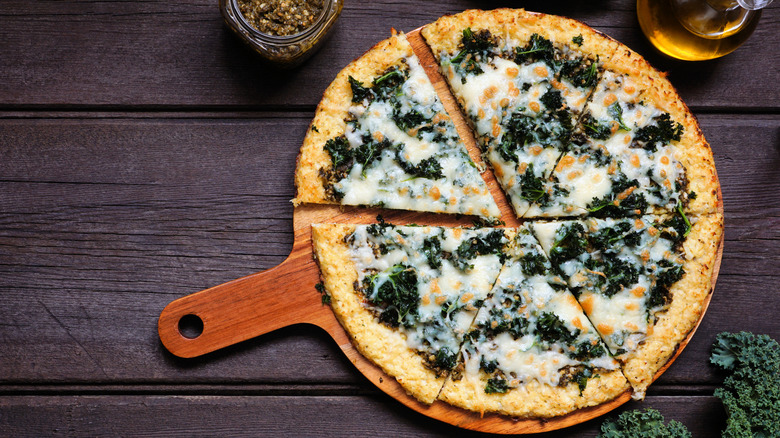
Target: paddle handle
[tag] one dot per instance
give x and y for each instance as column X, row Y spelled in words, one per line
column 245, row 308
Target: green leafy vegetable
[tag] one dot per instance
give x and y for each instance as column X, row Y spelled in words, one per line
column 537, row 49
column 431, row 247
column 359, row 92
column 531, row 186
column 577, row 40
column 552, row 99
column 445, row 359
column 395, row 291
column 339, row 151
column 427, row 168
column 476, row 46
column 496, row 385
column 596, row 130
column 751, row 391
column 642, row 424
column 533, row 263
column 616, row 111
column 552, row 329
column 571, row 243
column 581, row 72
column 492, row 243
column 622, row 201
column 664, row 131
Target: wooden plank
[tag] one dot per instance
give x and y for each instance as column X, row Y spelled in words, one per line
column 324, row 416
column 104, row 222
column 158, row 54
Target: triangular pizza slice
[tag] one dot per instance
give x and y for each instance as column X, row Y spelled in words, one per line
column 381, row 137
column 642, row 281
column 407, row 294
column 531, row 351
column 522, row 79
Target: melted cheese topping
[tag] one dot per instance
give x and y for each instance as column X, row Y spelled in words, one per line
column 448, row 294
column 384, row 182
column 524, row 298
column 623, row 317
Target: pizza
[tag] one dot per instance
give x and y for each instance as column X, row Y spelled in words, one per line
column 605, row 169
column 381, row 137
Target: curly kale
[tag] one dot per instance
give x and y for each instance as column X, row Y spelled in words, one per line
column 496, row 385
column 395, row 291
column 586, row 350
column 445, row 359
column 622, row 201
column 339, row 151
column 616, row 111
column 385, row 86
column 499, row 323
column 596, row 130
column 427, row 168
column 571, row 243
column 622, row 233
column 476, row 46
column 661, row 133
column 642, row 424
column 531, row 186
column 533, row 263
column 751, row 391
column 431, row 248
column 492, row 243
column 537, row 49
column 552, row 99
column 552, row 329
column 581, row 72
column 359, row 91
column 612, row 274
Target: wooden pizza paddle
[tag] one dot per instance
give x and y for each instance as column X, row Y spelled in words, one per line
column 286, row 295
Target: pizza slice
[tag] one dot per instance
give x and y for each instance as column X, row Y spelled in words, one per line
column 637, row 148
column 522, row 79
column 381, row 137
column 643, row 282
column 407, row 294
column 531, row 351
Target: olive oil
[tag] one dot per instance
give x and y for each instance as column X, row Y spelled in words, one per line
column 696, row 30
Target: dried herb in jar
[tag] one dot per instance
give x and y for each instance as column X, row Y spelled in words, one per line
column 281, row 17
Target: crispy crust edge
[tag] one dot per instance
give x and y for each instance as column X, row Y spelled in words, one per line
column 533, row 399
column 692, row 151
column 688, row 298
column 331, row 112
column 444, row 35
column 380, row 344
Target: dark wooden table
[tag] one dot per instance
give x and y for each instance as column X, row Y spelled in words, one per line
column 146, row 154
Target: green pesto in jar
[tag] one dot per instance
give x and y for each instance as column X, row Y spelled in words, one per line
column 281, row 17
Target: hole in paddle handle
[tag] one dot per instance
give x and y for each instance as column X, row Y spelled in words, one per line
column 190, row 326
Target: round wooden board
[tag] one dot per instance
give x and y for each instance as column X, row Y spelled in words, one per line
column 251, row 306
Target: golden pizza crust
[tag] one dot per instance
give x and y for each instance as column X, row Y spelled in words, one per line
column 692, row 151
column 332, row 111
column 688, row 297
column 516, row 25
column 533, row 399
column 379, row 343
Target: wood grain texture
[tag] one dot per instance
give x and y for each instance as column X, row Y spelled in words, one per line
column 159, row 54
column 145, row 154
column 325, row 416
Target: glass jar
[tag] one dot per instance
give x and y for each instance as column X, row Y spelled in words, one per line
column 282, row 51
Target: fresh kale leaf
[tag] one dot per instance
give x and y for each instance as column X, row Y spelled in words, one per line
column 571, row 243
column 339, row 151
column 751, row 390
column 642, row 424
column 616, row 111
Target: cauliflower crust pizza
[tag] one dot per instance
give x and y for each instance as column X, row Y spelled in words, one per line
column 599, row 157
